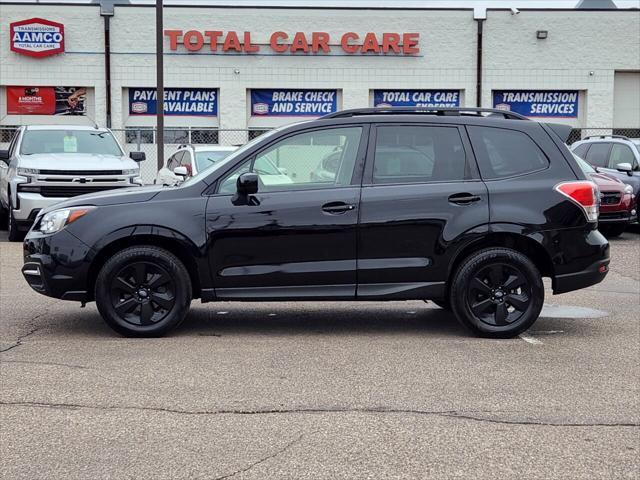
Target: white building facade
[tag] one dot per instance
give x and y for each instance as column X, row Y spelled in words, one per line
column 230, row 68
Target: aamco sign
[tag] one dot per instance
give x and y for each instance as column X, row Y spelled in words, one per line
column 37, row 37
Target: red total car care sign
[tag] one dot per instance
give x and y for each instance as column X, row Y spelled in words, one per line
column 352, row 43
column 37, row 37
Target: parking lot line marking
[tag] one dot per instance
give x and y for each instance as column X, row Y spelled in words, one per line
column 222, row 313
column 530, row 339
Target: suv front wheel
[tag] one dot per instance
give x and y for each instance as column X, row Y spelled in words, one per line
column 497, row 292
column 143, row 291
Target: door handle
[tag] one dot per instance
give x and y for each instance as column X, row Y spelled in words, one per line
column 337, row 208
column 463, row 198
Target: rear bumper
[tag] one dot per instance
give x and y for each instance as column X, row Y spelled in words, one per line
column 582, row 260
column 568, row 282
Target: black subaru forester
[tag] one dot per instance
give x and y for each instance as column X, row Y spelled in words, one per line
column 469, row 208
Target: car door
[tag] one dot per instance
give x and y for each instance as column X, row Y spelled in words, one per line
column 296, row 237
column 420, row 192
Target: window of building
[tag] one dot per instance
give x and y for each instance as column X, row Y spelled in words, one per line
column 256, row 133
column 418, row 154
column 139, row 135
column 504, row 153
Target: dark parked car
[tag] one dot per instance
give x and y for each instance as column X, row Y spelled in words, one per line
column 617, row 201
column 486, row 204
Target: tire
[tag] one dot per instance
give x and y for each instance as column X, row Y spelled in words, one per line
column 143, row 291
column 13, row 233
column 443, row 303
column 497, row 293
column 613, row 231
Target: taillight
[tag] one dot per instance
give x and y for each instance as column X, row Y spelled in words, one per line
column 584, row 194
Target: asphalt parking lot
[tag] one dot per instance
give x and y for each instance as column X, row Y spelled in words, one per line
column 322, row 390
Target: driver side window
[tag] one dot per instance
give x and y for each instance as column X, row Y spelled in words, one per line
column 306, row 161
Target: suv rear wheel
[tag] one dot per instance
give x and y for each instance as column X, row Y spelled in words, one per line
column 143, row 292
column 497, row 292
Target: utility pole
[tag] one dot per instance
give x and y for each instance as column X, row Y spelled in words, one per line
column 159, row 85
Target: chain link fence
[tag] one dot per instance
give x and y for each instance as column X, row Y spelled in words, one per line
column 142, row 139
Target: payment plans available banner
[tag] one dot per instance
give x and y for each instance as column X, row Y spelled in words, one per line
column 416, row 98
column 293, row 103
column 538, row 103
column 197, row 102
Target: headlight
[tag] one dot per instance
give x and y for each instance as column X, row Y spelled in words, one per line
column 131, row 171
column 27, row 171
column 56, row 220
column 628, row 189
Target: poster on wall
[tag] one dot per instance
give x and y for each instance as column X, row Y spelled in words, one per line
column 198, row 102
column 46, row 100
column 416, row 98
column 293, row 103
column 538, row 103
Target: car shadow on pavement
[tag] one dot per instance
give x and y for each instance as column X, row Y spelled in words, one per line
column 332, row 319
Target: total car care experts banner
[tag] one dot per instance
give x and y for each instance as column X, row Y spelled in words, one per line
column 198, row 102
column 293, row 103
column 538, row 103
column 46, row 100
column 416, row 98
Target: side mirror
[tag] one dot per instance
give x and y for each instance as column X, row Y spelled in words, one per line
column 181, row 171
column 4, row 156
column 247, row 184
column 138, row 156
column 625, row 167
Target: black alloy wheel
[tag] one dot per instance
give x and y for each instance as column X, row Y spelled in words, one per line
column 143, row 291
column 497, row 292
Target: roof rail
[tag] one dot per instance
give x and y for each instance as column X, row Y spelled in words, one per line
column 623, row 137
column 443, row 111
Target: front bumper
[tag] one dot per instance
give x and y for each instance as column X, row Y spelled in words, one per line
column 616, row 217
column 57, row 265
column 29, row 204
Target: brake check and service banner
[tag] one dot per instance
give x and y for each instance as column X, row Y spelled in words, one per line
column 293, row 103
column 198, row 102
column 538, row 103
column 416, row 98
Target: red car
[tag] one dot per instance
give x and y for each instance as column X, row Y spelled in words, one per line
column 617, row 201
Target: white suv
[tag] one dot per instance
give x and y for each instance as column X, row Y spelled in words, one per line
column 189, row 160
column 46, row 164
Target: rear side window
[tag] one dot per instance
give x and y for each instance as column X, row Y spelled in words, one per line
column 416, row 154
column 581, row 150
column 598, row 154
column 505, row 153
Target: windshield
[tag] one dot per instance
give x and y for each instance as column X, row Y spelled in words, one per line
column 586, row 168
column 205, row 159
column 94, row 142
column 230, row 158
